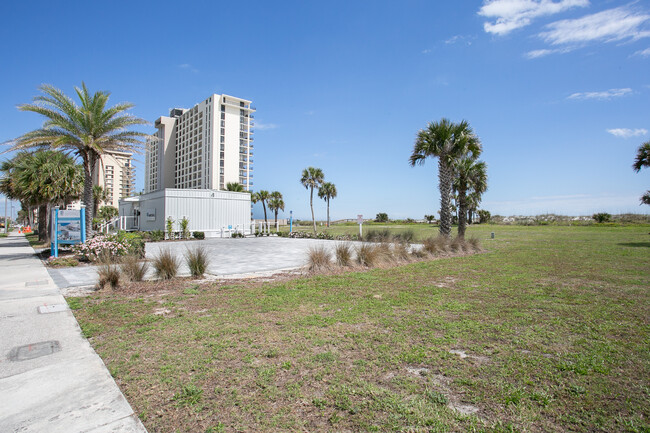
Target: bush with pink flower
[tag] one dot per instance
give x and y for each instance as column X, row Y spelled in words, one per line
column 101, row 246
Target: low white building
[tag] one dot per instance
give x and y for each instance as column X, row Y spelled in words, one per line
column 216, row 213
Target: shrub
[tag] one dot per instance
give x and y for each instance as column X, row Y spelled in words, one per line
column 101, row 245
column 156, row 235
column 133, row 242
column 198, row 235
column 134, row 269
column 602, row 217
column 166, row 265
column 185, row 232
column 382, row 235
column 405, row 236
column 343, row 254
column 237, row 235
column 366, row 255
column 384, row 253
column 318, row 258
column 381, row 217
column 197, row 260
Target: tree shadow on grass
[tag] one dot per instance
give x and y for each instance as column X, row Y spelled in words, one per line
column 635, row 244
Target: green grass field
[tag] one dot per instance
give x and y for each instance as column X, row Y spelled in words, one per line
column 546, row 331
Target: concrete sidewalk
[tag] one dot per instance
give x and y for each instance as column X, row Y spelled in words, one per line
column 51, row 380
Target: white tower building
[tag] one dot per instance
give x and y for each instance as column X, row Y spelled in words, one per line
column 204, row 147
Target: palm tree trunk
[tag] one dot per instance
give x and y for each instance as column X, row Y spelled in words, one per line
column 328, row 211
column 42, row 222
column 276, row 217
column 444, row 178
column 88, row 193
column 311, row 204
column 462, row 213
column 264, row 206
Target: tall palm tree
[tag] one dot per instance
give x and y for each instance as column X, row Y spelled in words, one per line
column 235, row 187
column 276, row 203
column 261, row 196
column 470, row 176
column 327, row 191
column 448, row 142
column 42, row 179
column 643, row 160
column 87, row 130
column 312, row 178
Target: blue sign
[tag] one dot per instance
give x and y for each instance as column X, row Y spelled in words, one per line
column 68, row 228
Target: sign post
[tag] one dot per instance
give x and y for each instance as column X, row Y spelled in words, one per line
column 360, row 222
column 68, row 228
column 290, row 221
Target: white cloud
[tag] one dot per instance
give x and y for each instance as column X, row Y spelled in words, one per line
column 260, row 125
column 627, row 133
column 610, row 25
column 643, row 53
column 513, row 14
column 607, row 94
column 544, row 52
column 467, row 39
column 188, row 67
column 427, row 51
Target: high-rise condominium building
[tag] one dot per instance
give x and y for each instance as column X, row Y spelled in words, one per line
column 204, row 147
column 115, row 173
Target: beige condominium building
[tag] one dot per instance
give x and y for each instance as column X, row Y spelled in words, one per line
column 115, row 173
column 203, row 147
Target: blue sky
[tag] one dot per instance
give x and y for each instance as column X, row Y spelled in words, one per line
column 558, row 91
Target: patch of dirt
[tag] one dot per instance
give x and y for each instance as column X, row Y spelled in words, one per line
column 464, row 355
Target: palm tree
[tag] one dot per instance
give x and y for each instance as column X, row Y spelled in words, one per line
column 235, row 187
column 261, row 196
column 312, row 178
column 470, row 176
column 327, row 191
column 643, row 160
column 448, row 142
column 88, row 130
column 99, row 195
column 276, row 203
column 42, row 179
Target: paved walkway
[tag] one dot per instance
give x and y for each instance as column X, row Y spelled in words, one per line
column 228, row 257
column 51, row 380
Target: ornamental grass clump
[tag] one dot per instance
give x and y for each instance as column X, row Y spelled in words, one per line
column 197, row 261
column 165, row 265
column 343, row 254
column 457, row 244
column 318, row 259
column 134, row 269
column 436, row 245
column 474, row 243
column 367, row 255
column 401, row 251
column 108, row 272
column 384, row 253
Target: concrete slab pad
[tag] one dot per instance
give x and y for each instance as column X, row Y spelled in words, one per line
column 51, row 399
